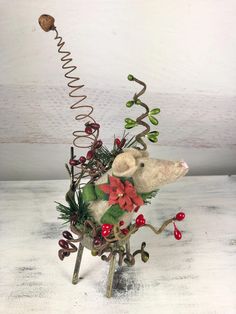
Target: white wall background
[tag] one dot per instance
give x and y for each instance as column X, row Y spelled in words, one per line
column 184, row 50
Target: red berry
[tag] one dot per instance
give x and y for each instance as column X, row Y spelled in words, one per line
column 177, row 233
column 90, row 154
column 117, row 142
column 88, row 130
column 136, row 209
column 74, row 219
column 82, row 159
column 106, row 233
column 94, row 126
column 63, row 244
column 98, row 144
column 121, row 223
column 73, row 162
column 180, row 216
column 140, row 221
column 97, row 241
column 62, row 254
column 67, row 235
column 125, row 231
column 122, row 143
column 107, row 227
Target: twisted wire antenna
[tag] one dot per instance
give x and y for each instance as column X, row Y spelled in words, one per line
column 47, row 24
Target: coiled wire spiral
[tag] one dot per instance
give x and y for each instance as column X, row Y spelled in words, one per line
column 47, row 24
column 75, row 87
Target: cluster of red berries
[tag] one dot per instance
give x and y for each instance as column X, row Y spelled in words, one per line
column 106, row 229
column 177, row 234
column 64, row 244
column 119, row 143
column 90, row 128
column 125, row 230
column 140, row 221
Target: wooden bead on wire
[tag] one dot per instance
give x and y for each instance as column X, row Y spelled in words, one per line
column 47, row 22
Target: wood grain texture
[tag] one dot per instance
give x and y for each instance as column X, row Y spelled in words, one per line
column 185, row 52
column 199, row 121
column 194, row 275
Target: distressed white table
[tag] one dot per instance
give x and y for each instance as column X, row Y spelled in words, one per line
column 194, row 275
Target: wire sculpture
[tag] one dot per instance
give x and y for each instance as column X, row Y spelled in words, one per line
column 104, row 237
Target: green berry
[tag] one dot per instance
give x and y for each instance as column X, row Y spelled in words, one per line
column 152, row 136
column 121, row 248
column 129, row 126
column 153, row 120
column 138, row 102
column 154, row 111
column 145, row 257
column 129, row 103
column 94, row 252
column 130, row 77
column 130, row 123
column 156, row 133
column 128, row 120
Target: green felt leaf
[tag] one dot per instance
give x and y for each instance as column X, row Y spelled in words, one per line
column 100, row 194
column 112, row 215
column 123, row 179
column 89, row 193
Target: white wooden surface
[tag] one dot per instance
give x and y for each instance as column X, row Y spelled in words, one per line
column 184, row 50
column 194, row 275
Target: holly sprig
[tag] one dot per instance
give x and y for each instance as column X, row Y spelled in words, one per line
column 150, row 114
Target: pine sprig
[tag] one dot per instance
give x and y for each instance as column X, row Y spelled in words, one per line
column 65, row 212
column 77, row 208
column 104, row 156
column 148, row 196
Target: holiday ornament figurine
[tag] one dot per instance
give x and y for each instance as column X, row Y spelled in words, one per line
column 108, row 188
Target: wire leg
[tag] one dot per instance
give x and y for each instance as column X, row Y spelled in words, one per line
column 75, row 278
column 110, row 276
column 127, row 246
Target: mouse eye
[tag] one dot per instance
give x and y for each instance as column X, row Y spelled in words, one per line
column 142, row 164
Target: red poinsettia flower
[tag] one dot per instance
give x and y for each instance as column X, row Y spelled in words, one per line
column 121, row 193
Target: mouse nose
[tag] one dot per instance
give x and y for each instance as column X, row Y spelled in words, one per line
column 184, row 164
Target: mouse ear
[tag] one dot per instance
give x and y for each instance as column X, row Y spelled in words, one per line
column 137, row 153
column 124, row 165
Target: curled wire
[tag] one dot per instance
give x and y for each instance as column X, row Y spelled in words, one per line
column 139, row 120
column 75, row 87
